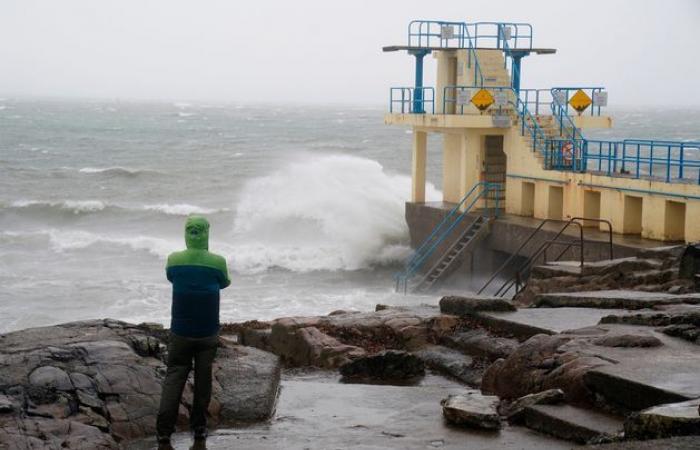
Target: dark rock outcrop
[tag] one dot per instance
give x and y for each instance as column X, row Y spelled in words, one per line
column 96, row 384
column 386, row 366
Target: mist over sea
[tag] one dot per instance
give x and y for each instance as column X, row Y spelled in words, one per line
column 306, row 203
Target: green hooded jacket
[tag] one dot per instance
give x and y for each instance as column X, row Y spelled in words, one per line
column 197, row 276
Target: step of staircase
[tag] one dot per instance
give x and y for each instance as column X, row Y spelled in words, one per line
column 573, row 423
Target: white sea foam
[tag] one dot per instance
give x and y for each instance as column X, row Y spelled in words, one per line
column 92, row 206
column 181, row 209
column 115, row 171
column 67, row 240
column 76, row 206
column 61, row 240
column 333, row 212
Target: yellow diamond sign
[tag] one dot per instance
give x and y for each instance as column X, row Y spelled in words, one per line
column 483, row 99
column 580, row 101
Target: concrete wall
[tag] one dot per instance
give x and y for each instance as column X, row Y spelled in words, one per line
column 654, row 209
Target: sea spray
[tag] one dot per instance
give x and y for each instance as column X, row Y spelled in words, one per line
column 332, row 212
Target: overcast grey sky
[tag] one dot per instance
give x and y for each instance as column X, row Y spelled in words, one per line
column 643, row 51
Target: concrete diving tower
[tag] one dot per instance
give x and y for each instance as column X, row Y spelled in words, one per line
column 530, row 141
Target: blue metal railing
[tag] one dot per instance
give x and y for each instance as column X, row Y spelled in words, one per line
column 437, row 34
column 669, row 161
column 405, row 101
column 480, row 191
column 562, row 95
column 528, row 122
column 493, row 35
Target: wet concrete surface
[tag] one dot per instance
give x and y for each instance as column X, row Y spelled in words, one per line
column 315, row 411
column 645, row 377
column 548, row 320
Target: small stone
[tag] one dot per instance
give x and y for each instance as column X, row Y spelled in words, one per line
column 472, row 410
column 6, row 405
column 51, row 377
column 675, row 289
column 386, row 365
column 514, row 410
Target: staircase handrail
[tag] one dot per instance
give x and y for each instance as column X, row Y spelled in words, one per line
column 578, row 221
column 439, row 234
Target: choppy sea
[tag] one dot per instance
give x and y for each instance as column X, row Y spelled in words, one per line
column 306, row 203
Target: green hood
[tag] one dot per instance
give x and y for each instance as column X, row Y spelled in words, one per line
column 197, row 233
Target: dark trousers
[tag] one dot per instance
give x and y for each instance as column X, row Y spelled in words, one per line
column 181, row 352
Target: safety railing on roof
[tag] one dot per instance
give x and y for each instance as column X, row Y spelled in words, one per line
column 405, row 101
column 562, row 95
column 496, row 34
column 479, row 192
column 447, row 34
column 668, row 161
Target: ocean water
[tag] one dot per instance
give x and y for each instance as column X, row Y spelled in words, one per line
column 306, row 203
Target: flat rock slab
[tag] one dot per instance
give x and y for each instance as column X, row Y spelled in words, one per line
column 321, row 415
column 465, row 306
column 612, row 299
column 645, row 377
column 674, row 419
column 676, row 443
column 572, row 423
column 450, row 362
column 527, row 322
column 472, row 410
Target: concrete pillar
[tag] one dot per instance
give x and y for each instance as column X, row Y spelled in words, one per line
column 451, row 167
column 653, row 217
column 420, row 152
column 446, row 76
column 612, row 209
column 470, row 162
column 692, row 224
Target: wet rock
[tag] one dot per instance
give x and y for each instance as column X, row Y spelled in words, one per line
column 241, row 396
column 386, row 366
column 258, row 338
column 451, row 362
column 300, row 345
column 673, row 419
column 628, row 341
column 514, row 410
column 50, row 377
column 688, row 332
column 6, row 405
column 464, row 306
column 472, row 410
column 612, row 299
column 480, row 344
column 675, row 443
column 92, row 384
column 541, row 363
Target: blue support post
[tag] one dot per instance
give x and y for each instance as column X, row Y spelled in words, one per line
column 517, row 59
column 418, row 88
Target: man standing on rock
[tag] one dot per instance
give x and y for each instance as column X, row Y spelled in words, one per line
column 197, row 277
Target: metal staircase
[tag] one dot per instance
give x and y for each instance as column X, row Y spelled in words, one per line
column 466, row 243
column 449, row 240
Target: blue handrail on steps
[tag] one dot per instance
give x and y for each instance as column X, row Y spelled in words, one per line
column 441, row 232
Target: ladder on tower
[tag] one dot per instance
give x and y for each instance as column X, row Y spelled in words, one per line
column 484, row 196
column 466, row 243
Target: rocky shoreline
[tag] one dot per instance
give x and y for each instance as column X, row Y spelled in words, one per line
column 612, row 367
